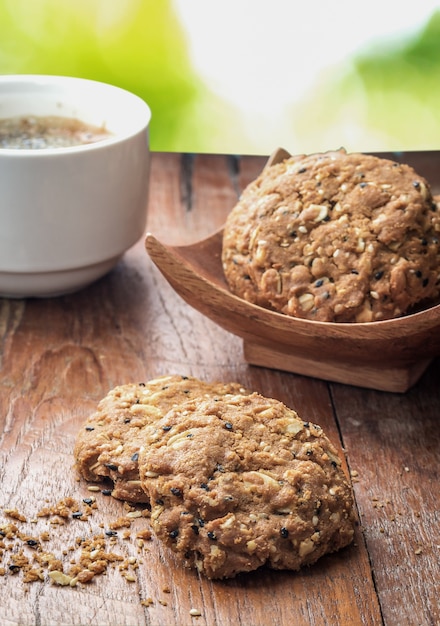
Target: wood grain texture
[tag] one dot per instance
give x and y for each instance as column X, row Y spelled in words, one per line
column 58, row 357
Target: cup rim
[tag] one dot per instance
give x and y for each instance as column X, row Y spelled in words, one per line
column 68, row 82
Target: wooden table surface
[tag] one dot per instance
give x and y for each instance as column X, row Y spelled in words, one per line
column 60, row 356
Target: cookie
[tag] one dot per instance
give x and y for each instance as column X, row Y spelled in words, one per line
column 242, row 482
column 108, row 443
column 335, row 237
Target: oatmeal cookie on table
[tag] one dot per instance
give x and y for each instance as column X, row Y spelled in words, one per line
column 109, row 441
column 335, row 237
column 242, row 482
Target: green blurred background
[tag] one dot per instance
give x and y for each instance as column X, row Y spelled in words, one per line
column 246, row 77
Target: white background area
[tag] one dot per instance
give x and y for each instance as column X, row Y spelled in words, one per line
column 262, row 56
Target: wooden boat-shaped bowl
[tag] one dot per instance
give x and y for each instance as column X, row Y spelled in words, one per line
column 389, row 355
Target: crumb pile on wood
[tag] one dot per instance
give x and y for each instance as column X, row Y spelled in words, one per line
column 34, row 549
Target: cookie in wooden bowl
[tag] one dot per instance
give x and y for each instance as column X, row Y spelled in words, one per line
column 335, row 237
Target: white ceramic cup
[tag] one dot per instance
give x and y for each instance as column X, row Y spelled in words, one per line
column 67, row 215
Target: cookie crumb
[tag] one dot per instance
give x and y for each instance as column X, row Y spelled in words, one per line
column 59, row 578
column 15, row 514
column 195, row 612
